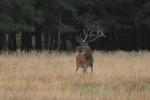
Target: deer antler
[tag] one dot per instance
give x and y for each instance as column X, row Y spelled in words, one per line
column 90, row 34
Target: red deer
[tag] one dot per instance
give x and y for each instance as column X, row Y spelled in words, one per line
column 84, row 57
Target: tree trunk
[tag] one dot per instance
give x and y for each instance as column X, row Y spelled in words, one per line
column 26, row 41
column 138, row 37
column 4, row 41
column 59, row 33
column 38, row 39
column 64, row 45
column 51, row 42
column 22, row 41
column 1, row 41
column 12, row 42
column 58, row 40
column 55, row 42
column 116, row 41
column 46, row 40
column 74, row 43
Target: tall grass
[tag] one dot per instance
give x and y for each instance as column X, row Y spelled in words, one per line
column 51, row 76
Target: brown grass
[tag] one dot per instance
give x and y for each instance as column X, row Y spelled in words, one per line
column 44, row 76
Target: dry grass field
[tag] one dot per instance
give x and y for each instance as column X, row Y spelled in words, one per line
column 44, row 76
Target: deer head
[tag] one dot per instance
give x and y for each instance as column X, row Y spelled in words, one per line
column 90, row 34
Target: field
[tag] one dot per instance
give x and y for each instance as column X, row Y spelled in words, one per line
column 51, row 76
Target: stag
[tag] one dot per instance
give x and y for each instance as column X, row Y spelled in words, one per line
column 84, row 57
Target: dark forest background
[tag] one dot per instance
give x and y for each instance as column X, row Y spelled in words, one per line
column 54, row 24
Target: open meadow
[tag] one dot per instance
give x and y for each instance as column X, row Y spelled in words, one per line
column 51, row 76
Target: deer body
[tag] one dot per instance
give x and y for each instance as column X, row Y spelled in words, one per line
column 84, row 62
column 80, row 60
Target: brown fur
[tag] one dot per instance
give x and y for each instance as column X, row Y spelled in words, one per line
column 83, row 60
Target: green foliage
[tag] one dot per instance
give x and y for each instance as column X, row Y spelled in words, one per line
column 24, row 15
column 144, row 14
column 71, row 16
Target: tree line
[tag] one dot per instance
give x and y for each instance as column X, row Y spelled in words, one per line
column 54, row 24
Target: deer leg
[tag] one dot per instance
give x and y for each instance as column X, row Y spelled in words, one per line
column 86, row 66
column 91, row 65
column 92, row 69
column 85, row 69
column 77, row 68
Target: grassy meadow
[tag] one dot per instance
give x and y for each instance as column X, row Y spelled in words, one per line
column 51, row 76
